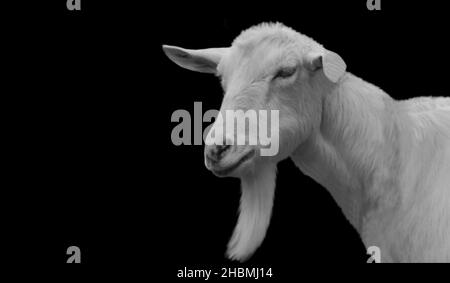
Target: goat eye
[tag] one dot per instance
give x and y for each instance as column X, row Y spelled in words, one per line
column 285, row 72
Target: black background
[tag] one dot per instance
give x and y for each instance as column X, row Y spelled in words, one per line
column 90, row 99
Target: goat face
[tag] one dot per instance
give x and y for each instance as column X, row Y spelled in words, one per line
column 259, row 73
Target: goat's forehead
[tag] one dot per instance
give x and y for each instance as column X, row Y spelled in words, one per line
column 259, row 55
column 264, row 46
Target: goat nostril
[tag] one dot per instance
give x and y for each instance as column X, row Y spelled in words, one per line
column 218, row 152
column 222, row 149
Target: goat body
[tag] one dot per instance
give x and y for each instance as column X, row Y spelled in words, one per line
column 387, row 164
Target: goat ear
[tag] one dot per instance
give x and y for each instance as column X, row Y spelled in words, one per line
column 332, row 64
column 201, row 60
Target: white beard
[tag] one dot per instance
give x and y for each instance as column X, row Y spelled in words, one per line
column 255, row 211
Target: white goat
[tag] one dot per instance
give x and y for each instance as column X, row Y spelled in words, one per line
column 385, row 162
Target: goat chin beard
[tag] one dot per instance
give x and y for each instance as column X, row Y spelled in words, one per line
column 258, row 188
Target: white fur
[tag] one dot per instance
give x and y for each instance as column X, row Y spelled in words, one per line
column 386, row 162
column 258, row 189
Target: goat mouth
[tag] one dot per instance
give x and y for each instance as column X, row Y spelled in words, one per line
column 226, row 171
